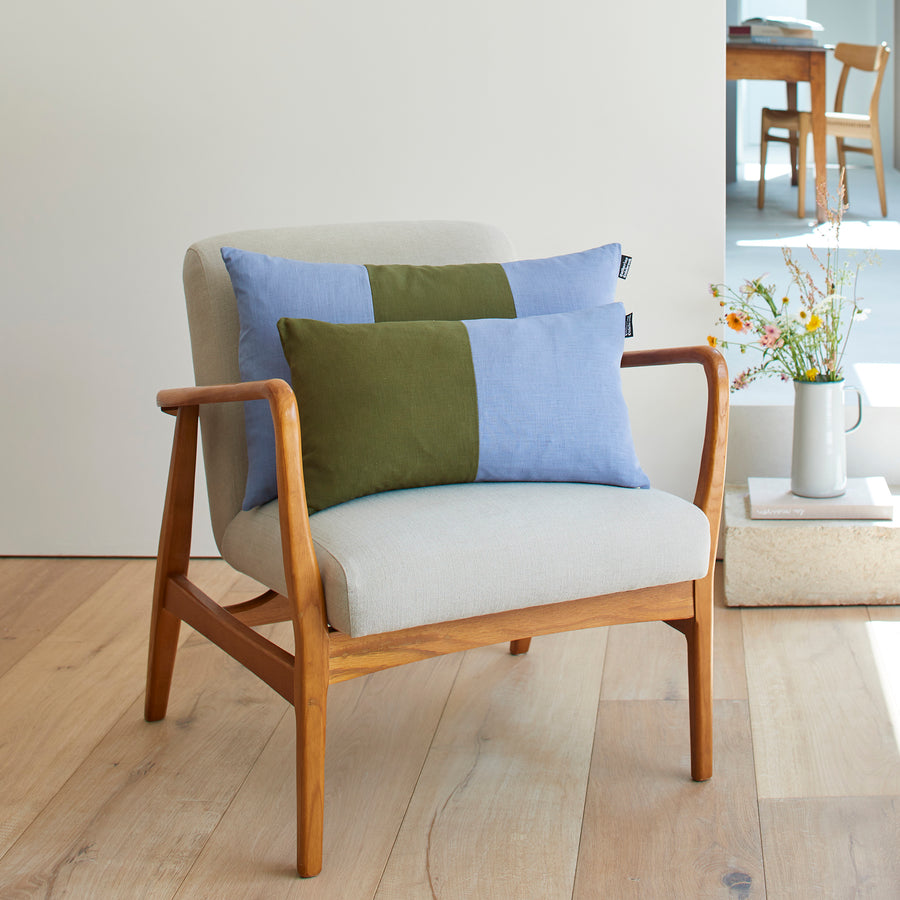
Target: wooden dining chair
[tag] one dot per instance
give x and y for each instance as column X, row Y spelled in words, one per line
column 838, row 124
column 408, row 573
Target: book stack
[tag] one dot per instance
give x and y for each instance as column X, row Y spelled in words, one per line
column 865, row 498
column 776, row 30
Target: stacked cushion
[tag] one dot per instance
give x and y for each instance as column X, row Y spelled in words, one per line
column 270, row 288
column 408, row 404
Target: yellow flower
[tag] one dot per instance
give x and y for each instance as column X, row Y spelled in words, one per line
column 811, row 374
column 712, row 341
column 785, row 300
column 813, row 323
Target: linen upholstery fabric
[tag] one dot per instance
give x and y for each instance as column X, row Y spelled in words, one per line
column 404, row 404
column 214, row 324
column 414, row 557
column 268, row 288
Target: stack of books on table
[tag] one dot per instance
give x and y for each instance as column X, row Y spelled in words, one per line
column 776, row 30
column 865, row 498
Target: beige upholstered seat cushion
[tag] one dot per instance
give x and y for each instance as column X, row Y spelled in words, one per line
column 413, row 557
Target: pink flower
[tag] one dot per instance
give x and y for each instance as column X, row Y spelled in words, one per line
column 741, row 381
column 772, row 337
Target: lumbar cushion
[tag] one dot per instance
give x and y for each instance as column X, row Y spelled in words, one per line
column 268, row 288
column 406, row 404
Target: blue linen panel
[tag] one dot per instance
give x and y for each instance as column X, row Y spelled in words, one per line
column 564, row 283
column 527, row 373
column 268, row 288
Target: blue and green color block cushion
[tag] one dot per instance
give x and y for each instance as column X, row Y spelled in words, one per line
column 268, row 288
column 394, row 405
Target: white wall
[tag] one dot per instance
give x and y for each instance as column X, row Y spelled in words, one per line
column 132, row 129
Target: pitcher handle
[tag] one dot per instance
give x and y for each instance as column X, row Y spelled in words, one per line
column 856, row 424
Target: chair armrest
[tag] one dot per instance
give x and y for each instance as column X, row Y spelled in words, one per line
column 711, row 480
column 301, row 568
column 274, row 389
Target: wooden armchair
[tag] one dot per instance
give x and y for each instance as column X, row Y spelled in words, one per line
column 572, row 532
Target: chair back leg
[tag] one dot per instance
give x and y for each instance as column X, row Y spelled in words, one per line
column 173, row 559
column 763, row 152
column 520, row 646
column 801, row 170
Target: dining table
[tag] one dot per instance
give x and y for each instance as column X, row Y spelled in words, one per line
column 791, row 64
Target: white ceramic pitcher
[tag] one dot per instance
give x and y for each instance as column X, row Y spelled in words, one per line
column 819, row 455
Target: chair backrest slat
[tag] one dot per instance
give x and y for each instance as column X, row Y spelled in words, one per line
column 867, row 58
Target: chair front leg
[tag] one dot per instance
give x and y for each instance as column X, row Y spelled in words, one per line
column 699, row 634
column 310, row 698
column 842, row 167
column 878, row 162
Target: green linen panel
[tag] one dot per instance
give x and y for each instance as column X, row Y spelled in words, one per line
column 415, row 422
column 402, row 293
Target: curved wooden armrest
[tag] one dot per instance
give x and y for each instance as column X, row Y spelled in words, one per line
column 273, row 389
column 711, row 480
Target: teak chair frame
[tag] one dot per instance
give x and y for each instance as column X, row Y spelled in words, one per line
column 323, row 656
column 838, row 125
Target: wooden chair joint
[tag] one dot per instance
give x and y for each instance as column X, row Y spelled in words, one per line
column 268, row 661
column 265, row 609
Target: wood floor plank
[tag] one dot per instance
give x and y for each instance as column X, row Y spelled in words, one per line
column 60, row 699
column 832, row 847
column 883, row 613
column 821, row 726
column 380, row 728
column 497, row 811
column 648, row 660
column 37, row 594
column 649, row 831
column 131, row 820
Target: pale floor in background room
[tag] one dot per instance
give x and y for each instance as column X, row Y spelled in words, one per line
column 754, row 239
column 563, row 773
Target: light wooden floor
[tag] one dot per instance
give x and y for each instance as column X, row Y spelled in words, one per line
column 559, row 774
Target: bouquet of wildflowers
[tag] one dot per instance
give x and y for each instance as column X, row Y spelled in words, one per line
column 803, row 340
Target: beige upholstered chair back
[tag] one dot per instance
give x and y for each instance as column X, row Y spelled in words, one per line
column 214, row 327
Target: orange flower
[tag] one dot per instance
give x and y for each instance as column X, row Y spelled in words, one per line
column 712, row 341
column 736, row 321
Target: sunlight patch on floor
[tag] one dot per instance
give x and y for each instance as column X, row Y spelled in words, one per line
column 750, row 171
column 885, row 640
column 872, row 235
